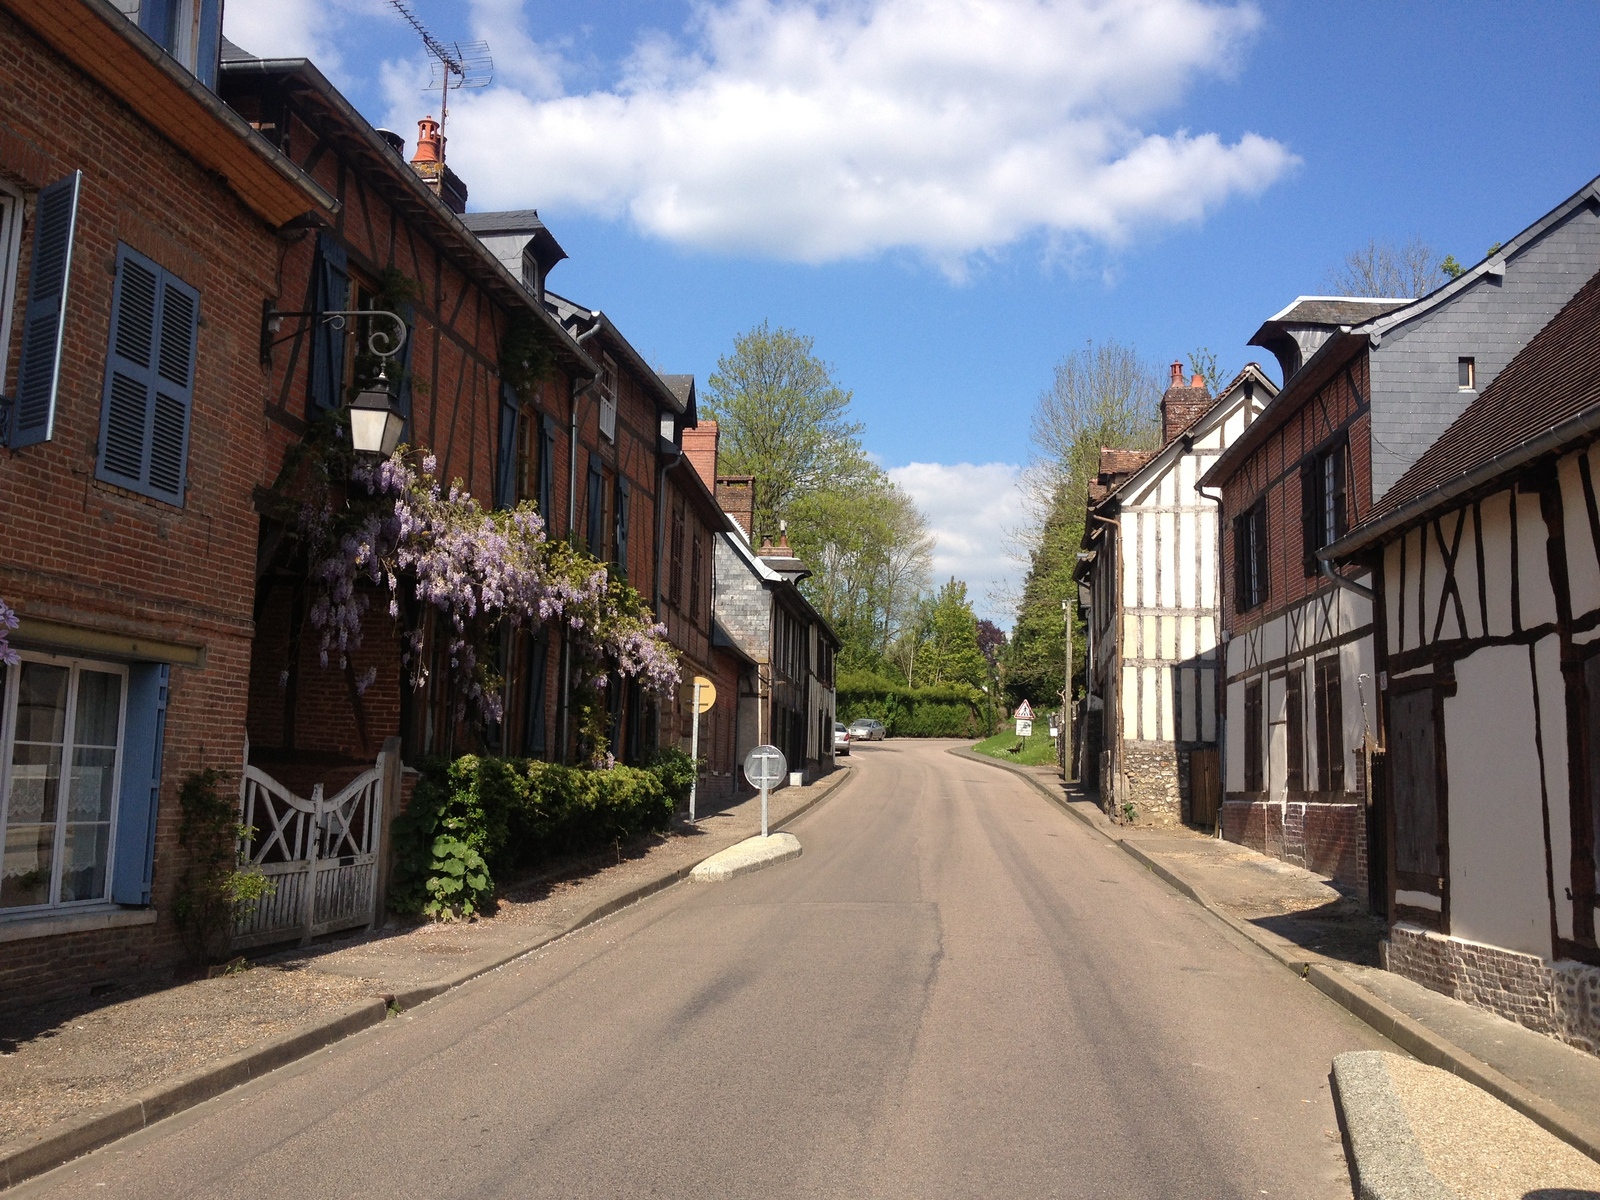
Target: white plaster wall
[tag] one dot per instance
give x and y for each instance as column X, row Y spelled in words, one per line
column 1538, row 597
column 1130, row 559
column 1129, row 700
column 1233, row 732
column 1495, row 813
column 1583, row 571
column 1277, row 740
column 1432, row 593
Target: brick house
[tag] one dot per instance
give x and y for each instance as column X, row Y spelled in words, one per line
column 140, row 225
column 1149, row 573
column 1485, row 556
column 1368, row 386
column 399, row 243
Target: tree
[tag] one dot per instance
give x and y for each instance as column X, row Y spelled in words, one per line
column 783, row 420
column 951, row 653
column 1408, row 269
column 1035, row 658
column 991, row 640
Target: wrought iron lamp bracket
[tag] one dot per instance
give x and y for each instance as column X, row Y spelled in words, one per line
column 382, row 342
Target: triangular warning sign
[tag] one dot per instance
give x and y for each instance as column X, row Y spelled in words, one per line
column 1024, row 712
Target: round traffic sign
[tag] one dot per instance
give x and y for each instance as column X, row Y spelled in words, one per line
column 707, row 692
column 765, row 766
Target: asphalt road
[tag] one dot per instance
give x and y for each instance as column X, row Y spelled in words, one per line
column 958, row 990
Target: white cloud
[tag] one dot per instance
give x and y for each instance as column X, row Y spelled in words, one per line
column 971, row 508
column 814, row 131
column 288, row 29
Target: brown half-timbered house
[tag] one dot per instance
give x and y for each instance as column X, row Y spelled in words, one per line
column 140, row 225
column 1486, row 559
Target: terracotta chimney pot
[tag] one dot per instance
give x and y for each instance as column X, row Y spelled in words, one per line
column 1198, row 381
column 430, row 146
column 1177, row 375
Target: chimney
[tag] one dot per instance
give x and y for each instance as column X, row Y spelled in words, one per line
column 428, row 162
column 700, row 445
column 736, row 496
column 1183, row 404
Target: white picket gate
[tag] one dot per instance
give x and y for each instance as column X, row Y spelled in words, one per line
column 322, row 855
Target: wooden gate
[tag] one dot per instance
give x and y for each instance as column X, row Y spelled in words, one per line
column 322, row 855
column 1205, row 787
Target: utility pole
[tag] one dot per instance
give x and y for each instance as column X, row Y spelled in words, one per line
column 1066, row 697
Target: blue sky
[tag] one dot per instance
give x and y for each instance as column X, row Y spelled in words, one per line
column 948, row 198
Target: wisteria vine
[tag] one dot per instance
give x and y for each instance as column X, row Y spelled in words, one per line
column 401, row 530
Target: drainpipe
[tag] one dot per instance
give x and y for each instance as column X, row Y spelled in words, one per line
column 1339, row 580
column 577, row 393
column 661, row 532
column 1219, row 698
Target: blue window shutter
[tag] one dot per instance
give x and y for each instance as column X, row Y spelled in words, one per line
column 596, row 511
column 533, row 734
column 39, row 373
column 133, row 859
column 332, row 270
column 208, row 50
column 505, row 484
column 156, row 19
column 624, row 500
column 149, row 389
column 547, row 471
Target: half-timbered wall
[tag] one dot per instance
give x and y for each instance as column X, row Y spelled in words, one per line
column 1492, row 620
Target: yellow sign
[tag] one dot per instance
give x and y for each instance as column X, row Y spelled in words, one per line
column 708, row 692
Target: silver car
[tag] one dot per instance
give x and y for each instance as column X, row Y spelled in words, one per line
column 868, row 729
column 841, row 740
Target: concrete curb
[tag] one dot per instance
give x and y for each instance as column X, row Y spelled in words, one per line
column 79, row 1135
column 1389, row 1164
column 1410, row 1035
column 742, row 858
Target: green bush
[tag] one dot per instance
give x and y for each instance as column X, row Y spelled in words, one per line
column 476, row 817
column 947, row 710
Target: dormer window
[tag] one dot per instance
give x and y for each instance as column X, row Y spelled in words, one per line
column 189, row 30
column 1467, row 374
column 608, row 399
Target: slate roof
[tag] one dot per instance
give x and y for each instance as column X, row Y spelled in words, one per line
column 1554, row 378
column 1123, row 462
column 1336, row 310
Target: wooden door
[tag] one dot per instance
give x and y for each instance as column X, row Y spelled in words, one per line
column 1205, row 787
column 1416, row 794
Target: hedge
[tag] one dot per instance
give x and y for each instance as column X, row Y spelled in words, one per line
column 944, row 710
column 476, row 817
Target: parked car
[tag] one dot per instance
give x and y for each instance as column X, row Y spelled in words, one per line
column 868, row 729
column 841, row 739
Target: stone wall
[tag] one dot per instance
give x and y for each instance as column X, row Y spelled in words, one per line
column 1561, row 999
column 1150, row 782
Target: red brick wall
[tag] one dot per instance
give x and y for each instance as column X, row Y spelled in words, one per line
column 1330, row 839
column 1274, row 470
column 79, row 551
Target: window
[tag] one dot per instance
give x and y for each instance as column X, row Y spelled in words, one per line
column 506, row 473
column 1330, row 726
column 620, row 519
column 675, row 579
column 1294, row 704
column 189, row 30
column 149, row 389
column 526, row 468
column 608, row 398
column 1252, row 737
column 1467, row 374
column 1323, row 502
column 696, row 566
column 547, row 469
column 10, row 252
column 595, row 513
column 64, row 730
column 1250, row 557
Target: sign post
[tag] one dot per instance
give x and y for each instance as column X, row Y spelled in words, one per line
column 1024, row 719
column 763, row 767
column 705, row 695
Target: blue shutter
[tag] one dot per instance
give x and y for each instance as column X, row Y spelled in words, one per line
column 547, row 472
column 595, row 515
column 208, row 51
column 156, row 19
column 332, row 272
column 624, row 499
column 39, row 373
column 533, row 733
column 133, row 859
column 505, row 484
column 149, row 388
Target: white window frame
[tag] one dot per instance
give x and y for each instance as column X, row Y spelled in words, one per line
column 608, row 398
column 11, row 206
column 69, row 732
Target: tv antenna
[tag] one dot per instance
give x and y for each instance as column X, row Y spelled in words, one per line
column 469, row 62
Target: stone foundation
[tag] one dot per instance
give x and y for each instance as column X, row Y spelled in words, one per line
column 1561, row 999
column 1330, row 839
column 1150, row 783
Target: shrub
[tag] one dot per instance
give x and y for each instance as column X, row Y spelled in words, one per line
column 477, row 816
column 943, row 710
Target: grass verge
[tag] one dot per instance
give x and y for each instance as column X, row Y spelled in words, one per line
column 1036, row 750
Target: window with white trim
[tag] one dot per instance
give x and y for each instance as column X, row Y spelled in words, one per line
column 64, row 725
column 608, row 399
column 10, row 254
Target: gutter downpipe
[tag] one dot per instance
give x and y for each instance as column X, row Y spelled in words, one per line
column 577, row 393
column 1219, row 701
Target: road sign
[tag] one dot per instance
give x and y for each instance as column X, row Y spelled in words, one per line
column 1024, row 728
column 765, row 767
column 705, row 693
column 1024, row 712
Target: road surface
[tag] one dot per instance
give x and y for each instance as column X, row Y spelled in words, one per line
column 957, row 990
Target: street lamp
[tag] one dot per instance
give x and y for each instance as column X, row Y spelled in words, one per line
column 375, row 420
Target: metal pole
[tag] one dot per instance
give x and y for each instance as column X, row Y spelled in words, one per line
column 1066, row 700
column 763, row 806
column 694, row 749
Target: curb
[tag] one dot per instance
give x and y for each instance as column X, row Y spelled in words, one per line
column 741, row 858
column 79, row 1135
column 1389, row 1164
column 1410, row 1035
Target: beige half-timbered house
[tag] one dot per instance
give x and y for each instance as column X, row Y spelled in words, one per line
column 1148, row 582
column 1486, row 559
